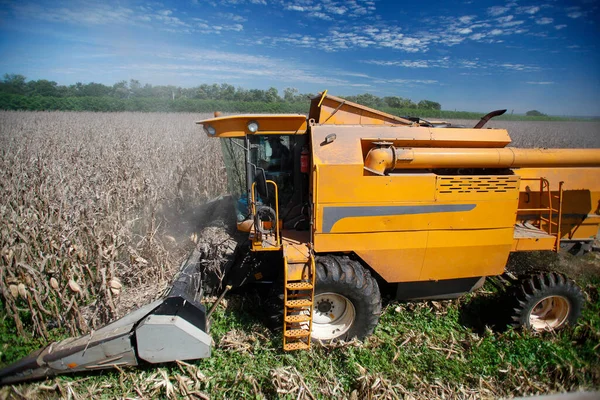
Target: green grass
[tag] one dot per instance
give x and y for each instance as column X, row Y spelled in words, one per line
column 424, row 350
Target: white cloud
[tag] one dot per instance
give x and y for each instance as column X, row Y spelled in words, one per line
column 505, row 19
column 320, row 15
column 541, row 83
column 411, row 81
column 235, row 67
column 528, row 10
column 87, row 14
column 520, row 67
column 328, row 10
column 232, row 17
column 544, row 21
column 403, row 63
column 511, row 24
column 497, row 10
column 559, row 27
column 496, row 32
column 575, row 14
column 339, row 10
column 466, row 19
column 294, row 7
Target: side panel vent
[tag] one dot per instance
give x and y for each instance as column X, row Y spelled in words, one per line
column 473, row 185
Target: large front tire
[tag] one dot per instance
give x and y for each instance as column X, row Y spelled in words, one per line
column 347, row 301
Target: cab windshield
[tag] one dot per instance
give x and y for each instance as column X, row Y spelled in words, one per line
column 274, row 154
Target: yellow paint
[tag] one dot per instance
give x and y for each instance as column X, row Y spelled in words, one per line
column 268, row 124
column 466, row 253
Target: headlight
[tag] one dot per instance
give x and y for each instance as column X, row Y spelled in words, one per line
column 253, row 126
column 210, row 130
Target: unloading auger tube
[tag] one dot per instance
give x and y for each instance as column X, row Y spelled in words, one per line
column 382, row 159
column 173, row 328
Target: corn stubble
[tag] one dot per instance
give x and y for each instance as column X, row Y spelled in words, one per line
column 93, row 207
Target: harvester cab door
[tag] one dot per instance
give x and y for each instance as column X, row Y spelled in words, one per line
column 279, row 157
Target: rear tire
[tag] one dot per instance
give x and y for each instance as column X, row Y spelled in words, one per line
column 347, row 300
column 547, row 302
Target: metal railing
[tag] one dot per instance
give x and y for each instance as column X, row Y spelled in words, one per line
column 549, row 210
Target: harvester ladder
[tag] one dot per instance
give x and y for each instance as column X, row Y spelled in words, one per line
column 298, row 300
column 552, row 227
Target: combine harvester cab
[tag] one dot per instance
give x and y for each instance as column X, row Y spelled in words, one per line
column 348, row 198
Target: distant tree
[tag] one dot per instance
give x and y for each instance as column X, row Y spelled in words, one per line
column 94, row 89
column 290, row 94
column 398, row 102
column 135, row 88
column 227, row 92
column 14, row 83
column 429, row 105
column 535, row 113
column 42, row 87
column 256, row 95
column 121, row 90
column 367, row 99
column 272, row 95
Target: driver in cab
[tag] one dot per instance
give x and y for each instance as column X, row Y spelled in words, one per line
column 280, row 159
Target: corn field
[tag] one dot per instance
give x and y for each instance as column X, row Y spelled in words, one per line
column 94, row 207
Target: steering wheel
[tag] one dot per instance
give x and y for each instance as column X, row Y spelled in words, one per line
column 264, row 214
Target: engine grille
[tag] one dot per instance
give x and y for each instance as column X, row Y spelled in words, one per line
column 476, row 184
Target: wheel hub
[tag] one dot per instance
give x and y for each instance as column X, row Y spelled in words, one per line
column 324, row 306
column 333, row 316
column 549, row 313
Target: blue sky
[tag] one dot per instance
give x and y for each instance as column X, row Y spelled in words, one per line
column 466, row 55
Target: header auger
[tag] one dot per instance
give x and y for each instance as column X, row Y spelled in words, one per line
column 338, row 203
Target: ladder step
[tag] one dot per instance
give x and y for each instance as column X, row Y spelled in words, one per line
column 298, row 303
column 299, row 285
column 296, row 346
column 297, row 333
column 297, row 318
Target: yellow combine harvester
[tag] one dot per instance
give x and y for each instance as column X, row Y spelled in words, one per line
column 345, row 201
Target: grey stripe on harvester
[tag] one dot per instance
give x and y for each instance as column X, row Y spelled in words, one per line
column 331, row 215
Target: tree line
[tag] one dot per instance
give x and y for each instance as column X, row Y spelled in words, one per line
column 130, row 94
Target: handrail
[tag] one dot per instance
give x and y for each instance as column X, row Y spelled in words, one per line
column 545, row 184
column 253, row 204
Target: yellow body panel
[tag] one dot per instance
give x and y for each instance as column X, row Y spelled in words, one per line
column 466, row 253
column 328, row 109
column 382, row 249
column 268, row 124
